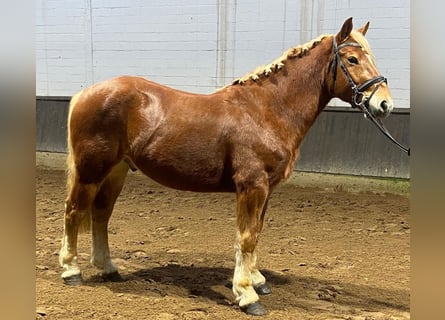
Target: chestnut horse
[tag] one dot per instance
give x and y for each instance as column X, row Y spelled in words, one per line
column 243, row 138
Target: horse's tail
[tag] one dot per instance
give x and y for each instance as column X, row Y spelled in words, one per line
column 71, row 172
column 70, row 167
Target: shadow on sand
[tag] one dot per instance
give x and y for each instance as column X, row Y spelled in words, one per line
column 288, row 290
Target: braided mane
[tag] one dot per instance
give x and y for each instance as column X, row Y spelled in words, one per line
column 279, row 63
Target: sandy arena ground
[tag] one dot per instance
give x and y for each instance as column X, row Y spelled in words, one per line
column 333, row 247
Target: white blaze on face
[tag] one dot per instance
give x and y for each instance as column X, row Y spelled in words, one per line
column 379, row 100
column 381, row 103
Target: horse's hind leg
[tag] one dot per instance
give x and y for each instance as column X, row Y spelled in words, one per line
column 77, row 216
column 102, row 208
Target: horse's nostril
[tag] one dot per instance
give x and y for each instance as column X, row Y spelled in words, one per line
column 384, row 105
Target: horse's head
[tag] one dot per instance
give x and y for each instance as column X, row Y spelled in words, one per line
column 355, row 76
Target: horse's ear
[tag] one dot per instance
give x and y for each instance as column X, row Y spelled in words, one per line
column 364, row 29
column 345, row 30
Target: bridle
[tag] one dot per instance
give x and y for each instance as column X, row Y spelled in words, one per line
column 358, row 99
column 358, row 90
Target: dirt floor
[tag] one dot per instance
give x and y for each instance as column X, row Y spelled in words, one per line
column 333, row 247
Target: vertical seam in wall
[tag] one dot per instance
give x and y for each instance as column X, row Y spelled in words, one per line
column 312, row 20
column 221, row 46
column 320, row 16
column 305, row 21
column 235, row 5
column 44, row 18
column 92, row 42
column 89, row 52
column 283, row 38
column 217, row 41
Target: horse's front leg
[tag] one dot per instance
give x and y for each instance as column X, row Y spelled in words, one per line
column 258, row 280
column 251, row 200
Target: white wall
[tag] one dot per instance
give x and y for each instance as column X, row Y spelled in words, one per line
column 200, row 45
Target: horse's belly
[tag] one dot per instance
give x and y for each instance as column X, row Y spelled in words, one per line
column 200, row 174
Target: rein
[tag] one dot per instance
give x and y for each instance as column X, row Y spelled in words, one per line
column 359, row 90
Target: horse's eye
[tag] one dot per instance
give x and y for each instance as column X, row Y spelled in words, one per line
column 353, row 60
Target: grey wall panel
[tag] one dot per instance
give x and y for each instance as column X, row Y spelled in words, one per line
column 51, row 115
column 341, row 140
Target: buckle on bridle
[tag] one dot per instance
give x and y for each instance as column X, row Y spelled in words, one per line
column 358, row 91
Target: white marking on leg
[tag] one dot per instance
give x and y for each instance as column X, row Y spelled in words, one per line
column 242, row 282
column 68, row 259
column 257, row 278
column 100, row 253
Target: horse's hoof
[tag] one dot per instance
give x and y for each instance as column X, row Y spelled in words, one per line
column 74, row 280
column 263, row 289
column 255, row 309
column 112, row 277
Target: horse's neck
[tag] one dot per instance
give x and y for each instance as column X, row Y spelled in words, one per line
column 298, row 94
column 305, row 84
